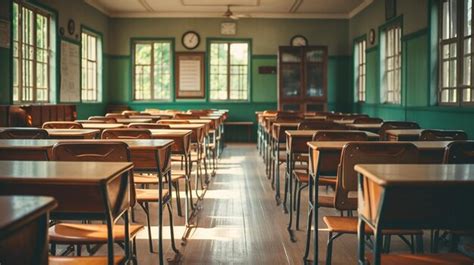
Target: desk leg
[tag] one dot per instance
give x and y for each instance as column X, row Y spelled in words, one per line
column 290, row 194
column 315, row 221
column 277, row 177
column 309, row 220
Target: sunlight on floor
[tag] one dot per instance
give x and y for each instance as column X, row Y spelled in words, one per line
column 220, row 233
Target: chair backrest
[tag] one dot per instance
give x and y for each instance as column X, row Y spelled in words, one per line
column 339, row 136
column 168, row 121
column 289, row 115
column 24, row 154
column 320, row 125
column 126, row 133
column 148, row 126
column 104, row 151
column 394, row 125
column 367, row 153
column 459, row 152
column 23, row 133
column 128, row 113
column 62, row 125
column 200, row 112
column 354, row 116
column 104, row 119
column 186, row 116
column 442, row 135
column 116, row 115
column 368, row 120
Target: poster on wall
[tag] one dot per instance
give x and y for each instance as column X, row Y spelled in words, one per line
column 70, row 72
column 190, row 75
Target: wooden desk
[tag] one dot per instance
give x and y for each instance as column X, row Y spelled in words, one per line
column 24, row 229
column 181, row 138
column 345, row 122
column 83, row 190
column 198, row 132
column 403, row 134
column 136, row 120
column 371, row 127
column 73, row 133
column 432, row 196
column 102, row 126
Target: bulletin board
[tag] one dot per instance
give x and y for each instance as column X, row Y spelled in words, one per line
column 70, row 72
column 190, row 75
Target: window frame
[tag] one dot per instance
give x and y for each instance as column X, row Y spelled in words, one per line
column 460, row 55
column 357, row 65
column 249, row 70
column 133, row 43
column 52, row 46
column 393, row 24
column 99, row 61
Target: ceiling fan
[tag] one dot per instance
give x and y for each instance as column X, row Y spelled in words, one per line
column 229, row 14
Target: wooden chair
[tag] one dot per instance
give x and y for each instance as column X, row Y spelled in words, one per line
column 139, row 178
column 442, row 135
column 355, row 116
column 104, row 119
column 168, row 121
column 23, row 133
column 148, row 126
column 23, row 154
column 368, row 120
column 186, row 116
column 200, row 112
column 126, row 133
column 320, row 125
column 86, row 234
column 364, row 153
column 394, row 125
column 128, row 113
column 62, row 125
column 289, row 115
column 302, row 176
column 460, row 152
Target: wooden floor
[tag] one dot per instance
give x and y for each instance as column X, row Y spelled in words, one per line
column 240, row 223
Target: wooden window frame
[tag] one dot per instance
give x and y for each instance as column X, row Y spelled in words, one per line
column 96, row 62
column 34, row 60
column 393, row 52
column 459, row 41
column 152, row 42
column 228, row 72
column 361, row 65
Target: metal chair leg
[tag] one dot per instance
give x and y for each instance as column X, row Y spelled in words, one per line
column 173, row 245
column 147, row 213
column 178, row 198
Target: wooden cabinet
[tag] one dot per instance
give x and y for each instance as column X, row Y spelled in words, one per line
column 302, row 78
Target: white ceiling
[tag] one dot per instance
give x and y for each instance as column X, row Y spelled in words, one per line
column 216, row 8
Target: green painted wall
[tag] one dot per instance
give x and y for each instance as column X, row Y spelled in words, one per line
column 419, row 69
column 5, row 62
column 264, row 85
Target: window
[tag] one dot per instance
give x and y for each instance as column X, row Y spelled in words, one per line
column 229, row 70
column 455, row 49
column 152, row 70
column 90, row 67
column 32, row 54
column 392, row 64
column 360, row 69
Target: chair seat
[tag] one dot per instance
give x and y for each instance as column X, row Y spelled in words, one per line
column 56, row 260
column 428, row 259
column 303, row 177
column 151, row 179
column 150, row 195
column 326, row 201
column 68, row 233
column 348, row 225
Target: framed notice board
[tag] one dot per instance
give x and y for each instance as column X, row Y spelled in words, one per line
column 190, row 75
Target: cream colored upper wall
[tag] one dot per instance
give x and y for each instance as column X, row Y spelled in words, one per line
column 415, row 17
column 81, row 13
column 266, row 34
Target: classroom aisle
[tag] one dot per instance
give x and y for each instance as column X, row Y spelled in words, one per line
column 239, row 222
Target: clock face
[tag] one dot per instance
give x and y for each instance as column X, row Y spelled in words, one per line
column 372, row 36
column 299, row 40
column 190, row 40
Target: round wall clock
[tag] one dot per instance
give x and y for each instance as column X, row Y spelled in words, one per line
column 191, row 40
column 372, row 36
column 71, row 26
column 298, row 40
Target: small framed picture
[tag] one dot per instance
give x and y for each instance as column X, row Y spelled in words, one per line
column 390, row 9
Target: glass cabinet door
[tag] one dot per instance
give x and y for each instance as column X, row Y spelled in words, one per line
column 291, row 82
column 315, row 74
